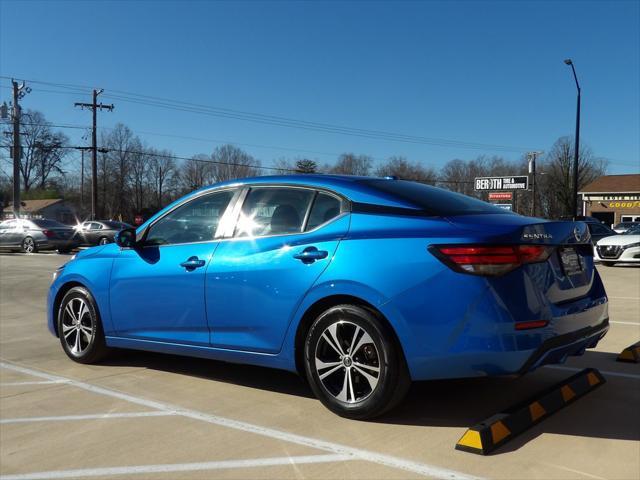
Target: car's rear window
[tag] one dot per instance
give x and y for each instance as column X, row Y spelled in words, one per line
column 44, row 223
column 434, row 201
column 115, row 225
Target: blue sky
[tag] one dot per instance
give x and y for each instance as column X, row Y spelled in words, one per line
column 478, row 72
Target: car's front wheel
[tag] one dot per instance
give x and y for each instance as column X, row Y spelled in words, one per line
column 79, row 327
column 354, row 364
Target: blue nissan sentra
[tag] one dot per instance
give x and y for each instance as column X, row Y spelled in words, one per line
column 359, row 284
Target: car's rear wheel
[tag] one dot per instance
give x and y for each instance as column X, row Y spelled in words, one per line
column 103, row 241
column 79, row 327
column 354, row 364
column 29, row 245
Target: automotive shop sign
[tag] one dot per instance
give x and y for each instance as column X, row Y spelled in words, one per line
column 501, row 183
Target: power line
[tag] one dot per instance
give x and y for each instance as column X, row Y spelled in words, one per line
column 203, row 109
column 178, row 105
column 206, row 160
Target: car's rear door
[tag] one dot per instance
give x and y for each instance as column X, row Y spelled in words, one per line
column 157, row 290
column 284, row 239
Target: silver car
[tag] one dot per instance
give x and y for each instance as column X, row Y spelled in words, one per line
column 29, row 236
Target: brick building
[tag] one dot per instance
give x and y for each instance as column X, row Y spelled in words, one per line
column 613, row 198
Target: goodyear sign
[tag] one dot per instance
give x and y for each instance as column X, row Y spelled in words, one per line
column 520, row 182
column 624, row 204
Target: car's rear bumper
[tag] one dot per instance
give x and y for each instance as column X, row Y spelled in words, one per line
column 557, row 349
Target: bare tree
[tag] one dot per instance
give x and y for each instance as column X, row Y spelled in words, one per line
column 351, row 164
column 230, row 162
column 162, row 175
column 403, row 169
column 284, row 166
column 138, row 179
column 555, row 179
column 196, row 172
column 43, row 151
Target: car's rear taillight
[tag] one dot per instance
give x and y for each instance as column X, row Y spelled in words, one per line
column 48, row 233
column 490, row 259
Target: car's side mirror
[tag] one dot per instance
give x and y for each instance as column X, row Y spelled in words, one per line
column 126, row 238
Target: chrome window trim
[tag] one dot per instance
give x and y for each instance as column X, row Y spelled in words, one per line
column 345, row 208
column 231, row 205
column 235, row 207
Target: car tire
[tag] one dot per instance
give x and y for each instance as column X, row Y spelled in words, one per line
column 359, row 384
column 63, row 251
column 79, row 327
column 103, row 241
column 28, row 245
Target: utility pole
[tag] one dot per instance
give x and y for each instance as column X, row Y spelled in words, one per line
column 82, row 150
column 532, row 156
column 19, row 91
column 94, row 106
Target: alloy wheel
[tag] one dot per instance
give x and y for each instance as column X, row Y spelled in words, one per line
column 28, row 245
column 77, row 326
column 347, row 362
column 104, row 241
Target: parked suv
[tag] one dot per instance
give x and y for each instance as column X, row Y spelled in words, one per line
column 98, row 232
column 29, row 236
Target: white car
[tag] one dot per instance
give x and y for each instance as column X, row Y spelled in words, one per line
column 623, row 248
column 624, row 226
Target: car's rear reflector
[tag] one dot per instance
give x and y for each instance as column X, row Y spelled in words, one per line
column 490, row 259
column 49, row 233
column 532, row 324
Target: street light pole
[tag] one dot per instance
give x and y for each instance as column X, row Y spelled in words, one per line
column 576, row 149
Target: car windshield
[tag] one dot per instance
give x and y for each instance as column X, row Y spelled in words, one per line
column 635, row 230
column 434, row 201
column 44, row 223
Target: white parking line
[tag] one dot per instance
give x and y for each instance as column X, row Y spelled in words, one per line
column 604, row 372
column 179, row 467
column 40, row 382
column 94, row 416
column 625, row 323
column 424, row 469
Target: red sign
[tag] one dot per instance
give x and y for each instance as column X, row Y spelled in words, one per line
column 138, row 220
column 500, row 196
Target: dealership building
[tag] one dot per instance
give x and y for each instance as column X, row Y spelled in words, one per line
column 613, row 199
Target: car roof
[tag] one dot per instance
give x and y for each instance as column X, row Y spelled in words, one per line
column 351, row 186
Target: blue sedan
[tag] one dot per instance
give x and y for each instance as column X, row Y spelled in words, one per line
column 359, row 284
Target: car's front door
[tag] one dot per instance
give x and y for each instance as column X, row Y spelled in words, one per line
column 285, row 238
column 157, row 288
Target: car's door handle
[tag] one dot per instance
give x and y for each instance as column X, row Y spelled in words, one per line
column 311, row 254
column 192, row 263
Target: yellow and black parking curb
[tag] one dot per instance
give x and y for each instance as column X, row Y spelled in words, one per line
column 486, row 436
column 630, row 354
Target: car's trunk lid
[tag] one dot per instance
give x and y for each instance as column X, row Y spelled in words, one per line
column 569, row 269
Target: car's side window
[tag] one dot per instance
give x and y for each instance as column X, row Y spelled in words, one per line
column 195, row 221
column 325, row 207
column 599, row 229
column 273, row 211
column 95, row 226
